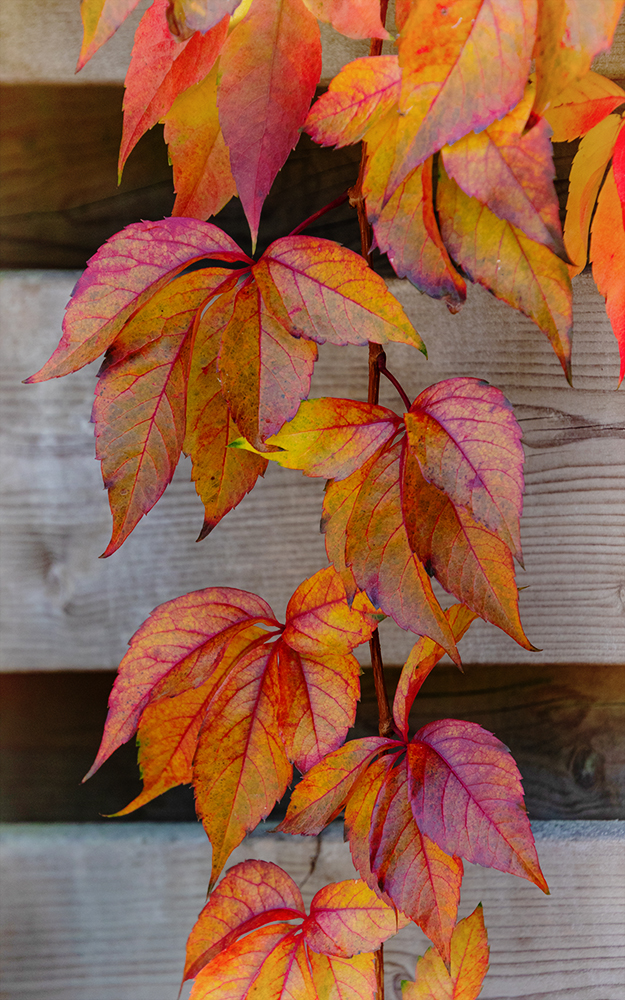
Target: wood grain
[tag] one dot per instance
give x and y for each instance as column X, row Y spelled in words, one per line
column 102, row 913
column 564, row 725
column 63, row 608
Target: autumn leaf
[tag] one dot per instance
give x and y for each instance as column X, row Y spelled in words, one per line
column 269, row 68
column 587, row 174
column 582, row 105
column 516, row 269
column 237, row 951
column 422, row 659
column 188, row 16
column 123, row 275
column 203, row 181
column 442, row 51
column 567, row 40
column 100, row 20
column 161, row 68
column 467, row 967
column 362, row 93
column 353, row 18
column 607, row 252
column 618, row 166
column 509, row 167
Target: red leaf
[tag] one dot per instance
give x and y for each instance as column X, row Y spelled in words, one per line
column 467, row 968
column 582, row 105
column 618, row 166
column 422, row 659
column 270, row 66
column 467, row 441
column 161, row 67
column 395, row 858
column 328, row 293
column 127, row 271
column 354, row 18
column 498, row 255
column 607, row 251
column 100, row 19
column 359, row 96
column 199, row 156
column 249, row 893
column 509, row 167
column 466, row 795
column 347, row 918
column 184, row 638
column 444, row 50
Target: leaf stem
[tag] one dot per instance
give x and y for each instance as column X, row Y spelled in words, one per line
column 381, row 360
column 317, row 215
column 379, row 972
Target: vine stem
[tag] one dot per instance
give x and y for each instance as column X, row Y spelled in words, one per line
column 317, row 215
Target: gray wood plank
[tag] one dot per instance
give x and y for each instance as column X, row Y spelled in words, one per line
column 102, row 913
column 63, row 608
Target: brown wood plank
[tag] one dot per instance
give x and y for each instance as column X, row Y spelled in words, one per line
column 564, row 725
column 96, row 913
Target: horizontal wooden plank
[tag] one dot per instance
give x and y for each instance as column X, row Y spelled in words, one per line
column 564, row 725
column 63, row 608
column 103, row 912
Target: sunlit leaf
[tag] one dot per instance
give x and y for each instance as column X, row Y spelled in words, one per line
column 607, row 252
column 582, row 105
column 498, row 255
column 467, row 968
column 161, row 68
column 509, row 167
column 362, row 93
column 269, row 66
column 568, row 37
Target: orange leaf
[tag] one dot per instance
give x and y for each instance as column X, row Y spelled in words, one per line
column 199, row 156
column 470, row 561
column 607, row 252
column 586, row 177
column 161, row 67
column 466, row 795
column 582, row 105
column 498, row 255
column 422, row 659
column 100, row 20
column 319, row 619
column 347, row 918
column 328, row 293
column 395, row 858
column 324, row 790
column 469, row 964
column 249, row 893
column 269, row 66
column 265, row 371
column 122, row 276
column 509, row 167
column 361, row 94
column 343, row 979
column 222, row 475
column 567, row 40
column 233, row 972
column 354, row 18
column 451, row 84
column 178, row 647
column 140, row 406
column 464, row 435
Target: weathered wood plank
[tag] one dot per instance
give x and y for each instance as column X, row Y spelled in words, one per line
column 103, row 912
column 564, row 725
column 62, row 608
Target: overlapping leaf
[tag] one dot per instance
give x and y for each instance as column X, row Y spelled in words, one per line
column 516, row 269
column 100, row 20
column 467, row 968
column 509, row 167
column 452, row 791
column 237, row 950
column 607, row 252
column 586, row 177
column 220, row 700
column 567, row 40
column 161, row 68
column 447, row 497
column 354, row 18
column 582, row 105
column 442, row 51
column 187, row 16
column 360, row 95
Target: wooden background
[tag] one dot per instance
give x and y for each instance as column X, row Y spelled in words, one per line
column 66, row 616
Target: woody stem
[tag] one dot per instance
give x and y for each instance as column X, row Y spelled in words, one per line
column 317, row 215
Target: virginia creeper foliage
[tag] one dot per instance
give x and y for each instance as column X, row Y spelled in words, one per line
column 210, row 352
